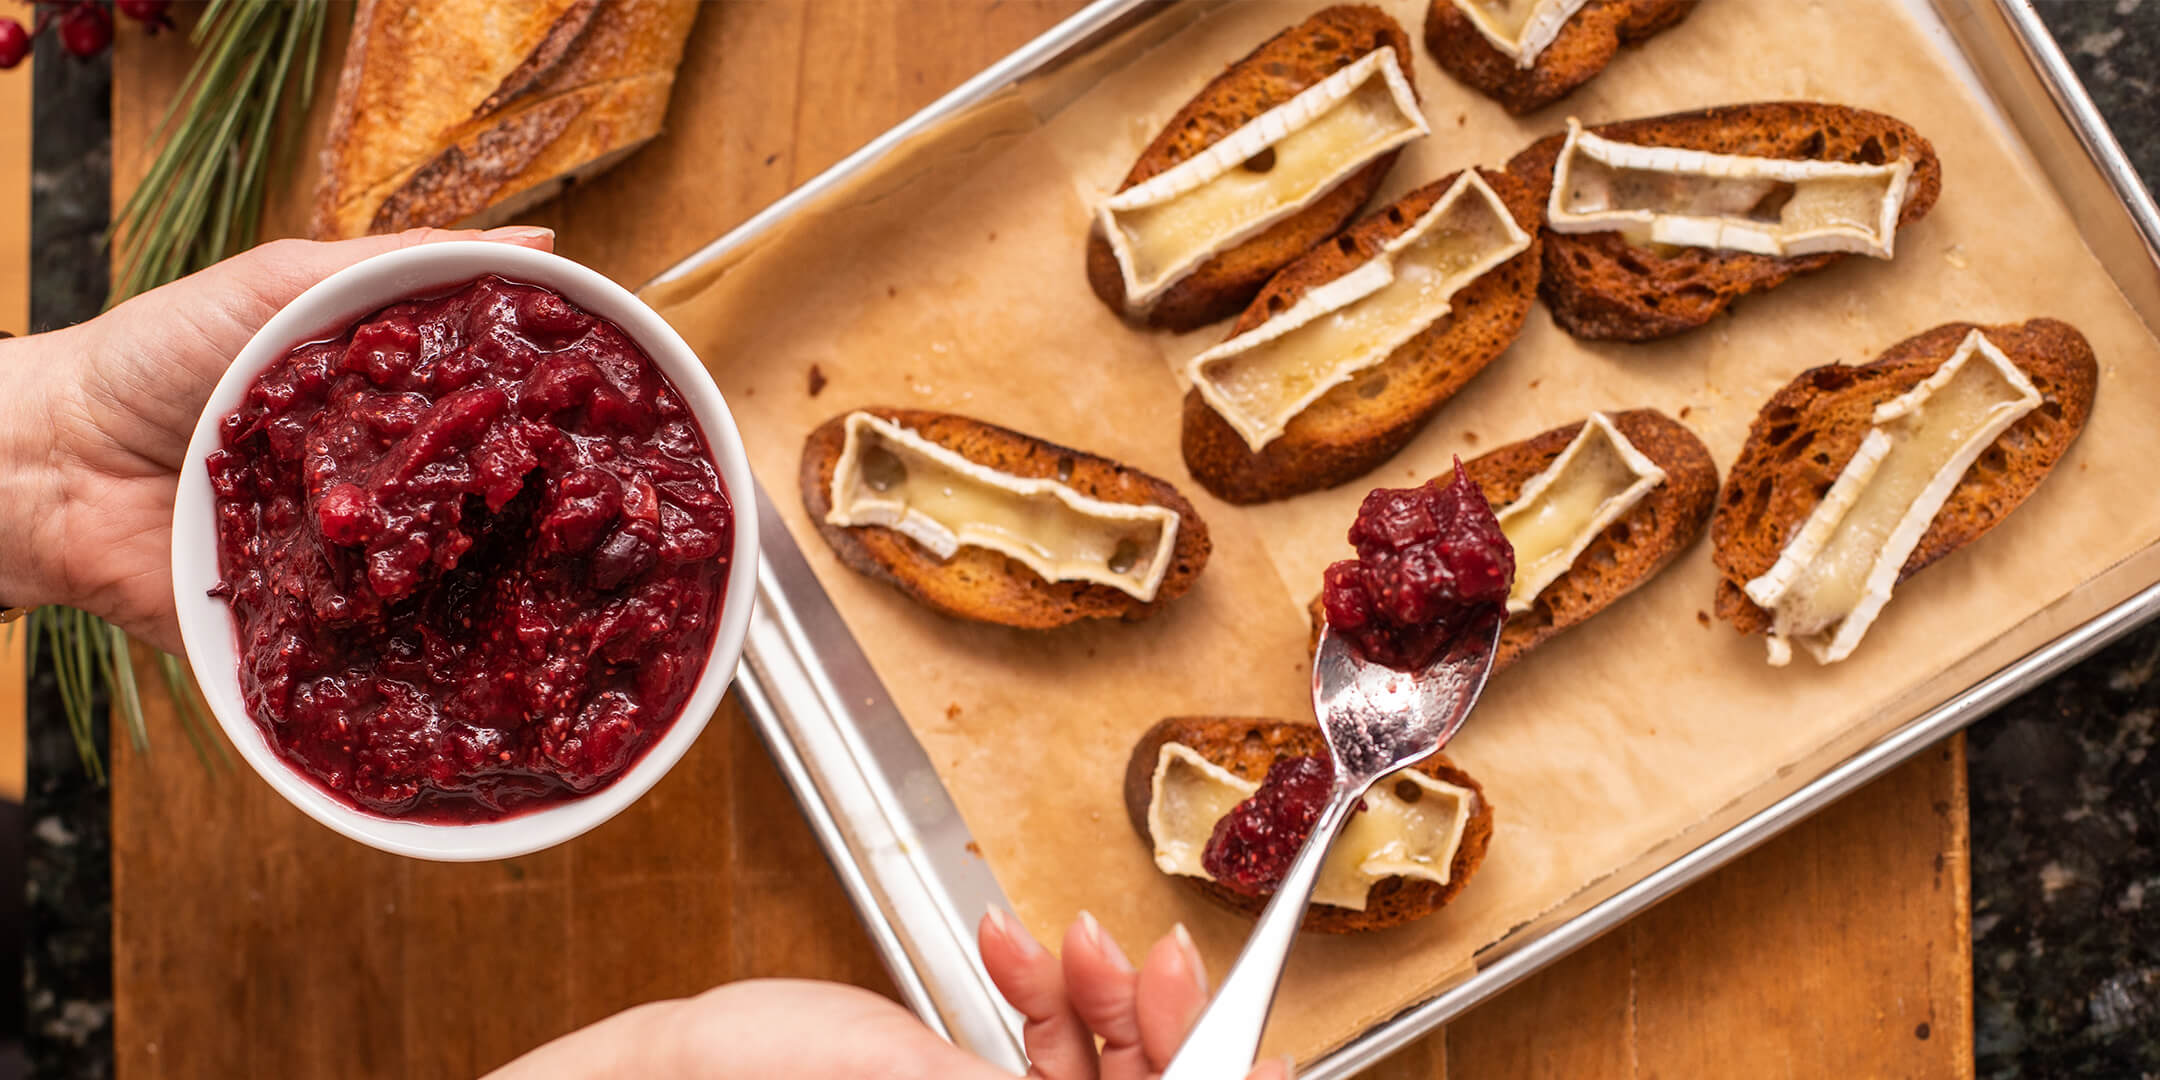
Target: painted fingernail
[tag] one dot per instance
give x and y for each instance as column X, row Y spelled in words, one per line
column 1006, row 927
column 518, row 232
column 1093, row 932
column 1194, row 965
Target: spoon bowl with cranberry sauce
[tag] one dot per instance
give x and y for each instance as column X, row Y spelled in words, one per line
column 465, row 550
column 1412, row 626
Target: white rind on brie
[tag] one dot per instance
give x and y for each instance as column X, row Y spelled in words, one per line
column 1261, row 379
column 1520, row 29
column 1391, row 837
column 1693, row 198
column 1833, row 578
column 890, row 476
column 1165, row 227
column 1596, row 479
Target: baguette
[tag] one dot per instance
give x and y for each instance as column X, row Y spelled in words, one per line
column 1588, row 42
column 1809, row 430
column 1630, row 551
column 981, row 584
column 1354, row 427
column 1246, row 747
column 1603, row 288
column 1270, row 75
column 450, row 112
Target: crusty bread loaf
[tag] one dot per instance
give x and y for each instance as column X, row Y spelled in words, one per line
column 1246, row 747
column 1627, row 554
column 1811, row 428
column 1584, row 46
column 1282, row 67
column 458, row 112
column 1354, row 427
column 977, row 583
column 1601, row 287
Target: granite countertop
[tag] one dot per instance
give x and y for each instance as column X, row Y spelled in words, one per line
column 2065, row 807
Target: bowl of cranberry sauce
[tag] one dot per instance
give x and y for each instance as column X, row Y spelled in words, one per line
column 459, row 555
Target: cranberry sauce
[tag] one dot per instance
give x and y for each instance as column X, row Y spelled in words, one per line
column 1429, row 560
column 475, row 549
column 1252, row 846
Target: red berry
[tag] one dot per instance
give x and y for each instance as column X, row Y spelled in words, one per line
column 147, row 11
column 86, row 29
column 14, row 43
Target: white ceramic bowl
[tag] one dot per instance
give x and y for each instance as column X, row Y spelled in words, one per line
column 206, row 624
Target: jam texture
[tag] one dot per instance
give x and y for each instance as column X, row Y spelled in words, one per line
column 1430, row 560
column 1253, row 845
column 474, row 549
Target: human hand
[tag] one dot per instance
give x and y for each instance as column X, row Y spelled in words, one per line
column 815, row 1031
column 1090, row 990
column 98, row 417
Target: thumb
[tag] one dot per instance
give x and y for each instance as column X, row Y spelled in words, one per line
column 1278, row 1069
column 276, row 272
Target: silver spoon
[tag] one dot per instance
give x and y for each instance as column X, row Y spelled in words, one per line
column 1376, row 720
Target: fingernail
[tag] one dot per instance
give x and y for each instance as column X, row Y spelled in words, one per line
column 1289, row 1067
column 1004, row 926
column 1194, row 965
column 1093, row 932
column 518, row 232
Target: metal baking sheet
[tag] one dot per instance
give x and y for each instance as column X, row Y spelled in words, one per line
column 882, row 813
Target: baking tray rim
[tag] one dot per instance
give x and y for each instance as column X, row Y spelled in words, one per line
column 905, row 906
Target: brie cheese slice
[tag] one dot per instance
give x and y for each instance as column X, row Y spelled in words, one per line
column 1597, row 478
column 1520, row 28
column 1262, row 378
column 890, row 476
column 1692, row 198
column 1163, row 228
column 1835, row 575
column 1410, row 827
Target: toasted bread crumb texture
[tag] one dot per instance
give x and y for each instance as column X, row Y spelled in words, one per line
column 1601, row 287
column 1270, row 75
column 514, row 99
column 1246, row 746
column 1351, row 429
column 980, row 584
column 1808, row 431
column 1628, row 553
column 1585, row 45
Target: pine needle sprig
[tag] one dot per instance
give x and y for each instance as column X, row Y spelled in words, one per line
column 200, row 200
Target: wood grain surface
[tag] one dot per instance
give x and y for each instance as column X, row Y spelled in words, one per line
column 1838, row 949
column 14, row 319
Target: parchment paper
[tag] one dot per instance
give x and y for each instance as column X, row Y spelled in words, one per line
column 958, row 285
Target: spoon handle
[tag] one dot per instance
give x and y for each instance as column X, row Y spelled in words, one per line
column 1227, row 1038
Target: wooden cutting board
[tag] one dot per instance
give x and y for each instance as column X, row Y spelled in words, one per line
column 1842, row 948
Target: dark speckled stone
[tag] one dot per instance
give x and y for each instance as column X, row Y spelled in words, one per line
column 2065, row 803
column 68, row 963
column 2065, row 798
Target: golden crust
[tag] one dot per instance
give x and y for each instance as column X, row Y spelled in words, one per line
column 1356, row 426
column 980, row 584
column 1272, row 74
column 1808, row 431
column 1602, row 288
column 1246, row 747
